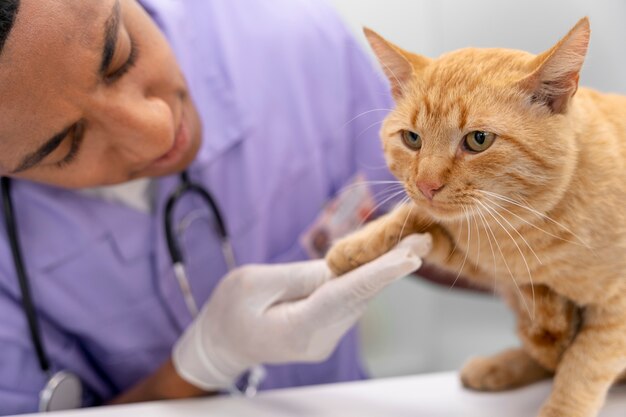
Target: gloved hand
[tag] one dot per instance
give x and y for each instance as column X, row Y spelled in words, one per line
column 283, row 313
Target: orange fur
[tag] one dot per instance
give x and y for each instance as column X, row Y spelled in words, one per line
column 538, row 215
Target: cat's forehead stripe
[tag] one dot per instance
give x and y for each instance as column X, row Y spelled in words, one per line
column 436, row 107
column 462, row 115
column 414, row 116
column 525, row 149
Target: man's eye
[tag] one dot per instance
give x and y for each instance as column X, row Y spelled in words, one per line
column 130, row 62
column 75, row 136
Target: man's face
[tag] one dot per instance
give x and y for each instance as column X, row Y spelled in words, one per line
column 91, row 94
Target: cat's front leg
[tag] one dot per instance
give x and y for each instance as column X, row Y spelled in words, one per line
column 591, row 364
column 374, row 239
column 547, row 322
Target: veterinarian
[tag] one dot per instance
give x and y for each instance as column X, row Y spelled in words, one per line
column 147, row 148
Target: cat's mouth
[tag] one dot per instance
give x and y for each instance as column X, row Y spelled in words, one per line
column 443, row 209
column 440, row 209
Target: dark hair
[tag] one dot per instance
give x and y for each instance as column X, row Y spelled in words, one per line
column 8, row 11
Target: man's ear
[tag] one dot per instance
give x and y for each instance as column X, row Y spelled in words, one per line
column 398, row 64
column 555, row 73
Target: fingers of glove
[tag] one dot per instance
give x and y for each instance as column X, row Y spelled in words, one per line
column 420, row 243
column 300, row 336
column 337, row 305
column 300, row 279
column 346, row 295
column 368, row 280
column 265, row 285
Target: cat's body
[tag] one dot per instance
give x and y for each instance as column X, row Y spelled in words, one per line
column 537, row 215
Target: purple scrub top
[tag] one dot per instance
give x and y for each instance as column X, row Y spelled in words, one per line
column 279, row 85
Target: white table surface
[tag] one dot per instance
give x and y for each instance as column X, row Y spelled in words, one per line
column 432, row 395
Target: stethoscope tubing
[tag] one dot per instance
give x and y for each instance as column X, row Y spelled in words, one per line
column 185, row 187
column 175, row 252
column 178, row 265
column 20, row 269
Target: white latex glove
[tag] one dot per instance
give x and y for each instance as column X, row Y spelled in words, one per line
column 283, row 313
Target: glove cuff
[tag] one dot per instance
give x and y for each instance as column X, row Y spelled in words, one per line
column 195, row 363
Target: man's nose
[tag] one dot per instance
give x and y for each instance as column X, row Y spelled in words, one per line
column 430, row 187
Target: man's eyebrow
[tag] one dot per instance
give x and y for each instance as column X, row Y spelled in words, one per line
column 44, row 150
column 111, row 30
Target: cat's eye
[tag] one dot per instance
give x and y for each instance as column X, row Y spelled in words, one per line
column 479, row 141
column 412, row 140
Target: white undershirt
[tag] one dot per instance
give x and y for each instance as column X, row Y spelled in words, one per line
column 137, row 194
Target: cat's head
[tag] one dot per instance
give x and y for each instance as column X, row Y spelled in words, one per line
column 476, row 123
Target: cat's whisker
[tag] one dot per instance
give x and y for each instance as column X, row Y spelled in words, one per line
column 366, row 183
column 473, row 216
column 364, row 113
column 388, row 190
column 453, row 248
column 493, row 254
column 523, row 200
column 538, row 213
column 466, row 247
column 381, row 182
column 493, row 211
column 506, row 264
column 405, row 221
column 405, row 200
column 381, row 203
column 527, row 206
column 368, row 128
column 512, row 227
column 531, row 224
column 402, row 202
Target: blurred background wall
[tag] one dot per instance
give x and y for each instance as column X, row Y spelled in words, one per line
column 415, row 326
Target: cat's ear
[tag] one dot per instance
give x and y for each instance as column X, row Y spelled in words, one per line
column 554, row 79
column 398, row 64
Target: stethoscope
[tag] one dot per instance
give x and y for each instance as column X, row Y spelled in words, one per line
column 176, row 255
column 63, row 389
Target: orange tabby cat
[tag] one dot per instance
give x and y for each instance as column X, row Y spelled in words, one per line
column 520, row 177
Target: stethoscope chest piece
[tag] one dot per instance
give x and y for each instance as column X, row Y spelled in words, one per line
column 62, row 392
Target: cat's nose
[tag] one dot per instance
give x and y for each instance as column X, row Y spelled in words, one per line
column 429, row 188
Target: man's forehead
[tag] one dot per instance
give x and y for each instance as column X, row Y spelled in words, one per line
column 53, row 43
column 51, row 21
column 50, row 58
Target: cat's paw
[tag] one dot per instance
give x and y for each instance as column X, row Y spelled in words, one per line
column 484, row 374
column 550, row 411
column 510, row 369
column 345, row 255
